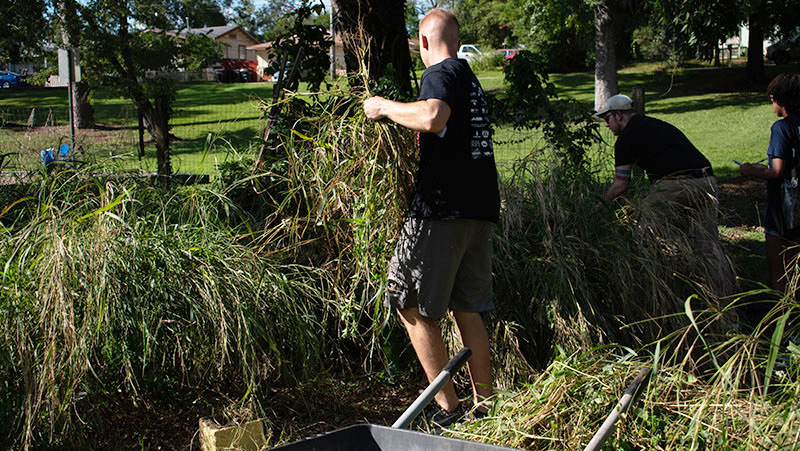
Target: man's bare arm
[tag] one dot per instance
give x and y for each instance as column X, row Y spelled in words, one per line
column 428, row 115
column 763, row 172
column 622, row 180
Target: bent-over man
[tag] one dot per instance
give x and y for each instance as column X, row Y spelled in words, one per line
column 679, row 174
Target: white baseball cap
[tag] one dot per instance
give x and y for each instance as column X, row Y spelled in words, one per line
column 618, row 102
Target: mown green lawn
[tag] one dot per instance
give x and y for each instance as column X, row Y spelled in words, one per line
column 225, row 115
column 719, row 113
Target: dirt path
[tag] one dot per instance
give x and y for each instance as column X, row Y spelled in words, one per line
column 741, row 200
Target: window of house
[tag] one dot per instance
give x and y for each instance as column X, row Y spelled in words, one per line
column 232, row 35
column 242, row 52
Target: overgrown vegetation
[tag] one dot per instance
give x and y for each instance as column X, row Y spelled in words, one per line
column 110, row 286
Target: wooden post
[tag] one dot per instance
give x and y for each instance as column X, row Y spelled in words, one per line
column 141, row 134
column 71, row 95
column 637, row 95
column 333, row 40
column 730, row 55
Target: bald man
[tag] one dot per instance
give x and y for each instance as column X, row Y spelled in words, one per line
column 443, row 258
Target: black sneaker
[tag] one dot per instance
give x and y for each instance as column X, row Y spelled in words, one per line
column 477, row 415
column 435, row 418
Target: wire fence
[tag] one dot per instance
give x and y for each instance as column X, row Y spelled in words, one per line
column 207, row 130
column 201, row 134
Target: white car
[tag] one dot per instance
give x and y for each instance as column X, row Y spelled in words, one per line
column 469, row 51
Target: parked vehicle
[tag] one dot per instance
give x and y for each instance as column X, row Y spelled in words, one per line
column 11, row 79
column 228, row 75
column 245, row 75
column 784, row 51
column 469, row 51
column 224, row 75
column 507, row 53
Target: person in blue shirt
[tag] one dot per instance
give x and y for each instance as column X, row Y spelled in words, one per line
column 780, row 233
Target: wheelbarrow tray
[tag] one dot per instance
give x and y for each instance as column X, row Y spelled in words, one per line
column 370, row 437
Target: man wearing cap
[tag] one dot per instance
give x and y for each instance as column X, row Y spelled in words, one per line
column 679, row 175
column 659, row 148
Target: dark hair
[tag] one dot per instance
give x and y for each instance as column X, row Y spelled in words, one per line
column 784, row 89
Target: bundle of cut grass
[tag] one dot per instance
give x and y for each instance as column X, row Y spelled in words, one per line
column 347, row 184
column 748, row 400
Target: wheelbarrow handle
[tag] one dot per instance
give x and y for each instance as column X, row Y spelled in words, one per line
column 426, row 397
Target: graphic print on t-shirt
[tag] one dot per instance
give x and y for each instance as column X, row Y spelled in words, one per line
column 481, row 132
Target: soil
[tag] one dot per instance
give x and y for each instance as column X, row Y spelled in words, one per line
column 741, row 201
column 292, row 413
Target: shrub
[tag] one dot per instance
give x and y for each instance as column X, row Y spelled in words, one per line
column 488, row 61
column 43, row 76
column 648, row 45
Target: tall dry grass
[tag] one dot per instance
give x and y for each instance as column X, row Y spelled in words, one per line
column 576, row 272
column 112, row 283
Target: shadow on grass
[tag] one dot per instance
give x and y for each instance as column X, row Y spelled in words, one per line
column 211, row 93
column 220, row 121
column 743, row 100
column 683, row 82
column 112, row 109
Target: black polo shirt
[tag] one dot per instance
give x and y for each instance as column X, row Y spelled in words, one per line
column 660, row 149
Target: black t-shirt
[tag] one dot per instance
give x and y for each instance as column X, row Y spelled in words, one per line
column 659, row 148
column 457, row 177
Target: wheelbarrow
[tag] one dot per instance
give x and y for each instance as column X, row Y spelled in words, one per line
column 371, row 437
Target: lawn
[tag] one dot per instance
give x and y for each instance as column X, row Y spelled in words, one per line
column 227, row 114
column 723, row 117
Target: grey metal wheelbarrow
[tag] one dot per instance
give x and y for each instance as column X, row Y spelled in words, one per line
column 370, row 437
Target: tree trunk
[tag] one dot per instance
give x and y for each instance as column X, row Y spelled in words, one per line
column 84, row 113
column 156, row 120
column 605, row 67
column 755, row 47
column 384, row 27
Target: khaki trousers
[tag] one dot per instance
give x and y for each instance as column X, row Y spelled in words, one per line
column 693, row 202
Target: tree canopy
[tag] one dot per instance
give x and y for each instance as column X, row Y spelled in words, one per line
column 563, row 31
column 197, row 14
column 264, row 22
column 24, row 28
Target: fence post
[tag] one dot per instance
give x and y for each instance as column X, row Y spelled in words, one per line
column 333, row 40
column 141, row 134
column 71, row 95
column 637, row 95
